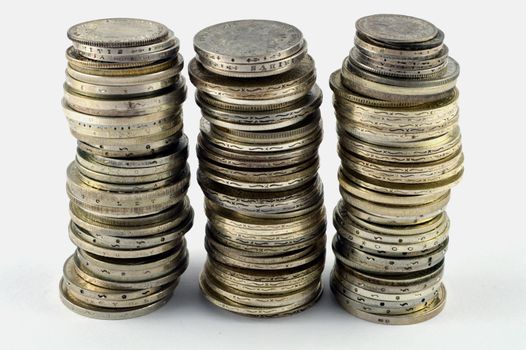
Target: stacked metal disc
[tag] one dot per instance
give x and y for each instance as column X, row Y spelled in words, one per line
column 399, row 144
column 258, row 161
column 127, row 185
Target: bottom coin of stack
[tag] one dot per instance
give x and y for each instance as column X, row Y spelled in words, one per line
column 128, row 220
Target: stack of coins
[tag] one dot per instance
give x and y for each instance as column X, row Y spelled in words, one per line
column 399, row 144
column 128, row 183
column 258, row 162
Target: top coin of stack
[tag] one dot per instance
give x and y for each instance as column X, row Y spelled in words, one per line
column 399, row 57
column 267, row 48
column 129, row 41
column 127, row 186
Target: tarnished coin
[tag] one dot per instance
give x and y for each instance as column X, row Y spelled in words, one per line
column 287, row 87
column 419, row 91
column 134, row 53
column 81, row 286
column 105, row 313
column 254, row 70
column 398, row 29
column 118, row 32
column 82, row 64
column 212, row 295
column 248, row 41
column 368, row 313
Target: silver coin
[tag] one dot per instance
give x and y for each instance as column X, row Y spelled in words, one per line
column 248, row 41
column 170, row 41
column 98, row 55
column 118, row 32
column 105, row 313
column 253, row 70
column 391, row 28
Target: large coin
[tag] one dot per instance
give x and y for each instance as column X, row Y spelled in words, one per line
column 118, row 32
column 396, row 28
column 248, row 41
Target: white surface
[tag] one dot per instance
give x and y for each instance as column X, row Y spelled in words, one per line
column 485, row 270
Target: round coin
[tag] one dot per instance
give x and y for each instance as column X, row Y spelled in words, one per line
column 248, row 41
column 118, row 32
column 392, row 28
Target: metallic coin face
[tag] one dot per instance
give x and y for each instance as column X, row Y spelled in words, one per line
column 248, row 41
column 396, row 28
column 118, row 32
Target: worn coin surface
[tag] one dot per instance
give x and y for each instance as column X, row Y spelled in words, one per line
column 118, row 32
column 248, row 41
column 392, row 28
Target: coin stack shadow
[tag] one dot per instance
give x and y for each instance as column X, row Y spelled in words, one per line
column 258, row 162
column 128, row 183
column 399, row 143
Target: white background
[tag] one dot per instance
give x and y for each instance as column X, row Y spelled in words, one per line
column 486, row 270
